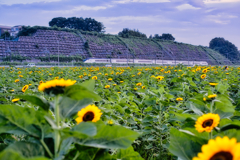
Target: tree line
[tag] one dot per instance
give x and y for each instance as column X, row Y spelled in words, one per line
column 85, row 24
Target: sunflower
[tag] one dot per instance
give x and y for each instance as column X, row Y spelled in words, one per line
column 110, row 121
column 179, row 99
column 55, row 86
column 40, row 82
column 135, row 89
column 139, row 84
column 17, row 80
column 94, row 77
column 89, row 113
column 20, row 76
column 15, row 99
column 114, row 84
column 207, row 122
column 212, row 96
column 159, row 78
column 80, row 77
column 25, row 88
column 213, row 84
column 143, row 87
column 168, row 72
column 121, row 81
column 205, row 71
column 107, row 86
column 220, row 149
column 203, row 76
column 109, row 79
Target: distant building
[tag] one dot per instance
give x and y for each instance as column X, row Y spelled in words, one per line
column 5, row 29
column 15, row 30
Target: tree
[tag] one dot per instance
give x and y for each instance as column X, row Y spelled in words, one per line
column 126, row 33
column 58, row 21
column 165, row 36
column 87, row 24
column 225, row 47
column 6, row 34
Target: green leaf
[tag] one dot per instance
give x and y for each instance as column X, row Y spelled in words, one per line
column 183, row 145
column 230, row 126
column 69, row 107
column 78, row 92
column 12, row 155
column 36, row 101
column 110, row 137
column 22, row 120
column 27, row 149
column 90, row 84
column 224, row 104
column 88, row 153
column 128, row 154
column 82, row 130
column 195, row 109
column 222, row 88
column 65, row 146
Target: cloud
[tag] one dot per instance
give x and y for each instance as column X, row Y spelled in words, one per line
column 80, row 8
column 133, row 19
column 11, row 2
column 194, row 3
column 221, row 18
column 140, row 1
column 186, row 6
column 220, row 1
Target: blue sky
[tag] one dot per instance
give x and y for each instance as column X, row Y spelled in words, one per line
column 189, row 21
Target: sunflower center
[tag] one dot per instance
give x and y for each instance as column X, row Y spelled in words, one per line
column 89, row 116
column 222, row 156
column 207, row 123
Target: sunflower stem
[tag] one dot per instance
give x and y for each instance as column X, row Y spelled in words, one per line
column 56, row 132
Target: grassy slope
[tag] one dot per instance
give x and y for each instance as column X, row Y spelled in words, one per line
column 147, row 48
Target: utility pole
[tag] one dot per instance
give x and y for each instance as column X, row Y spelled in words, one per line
column 58, row 53
column 162, row 57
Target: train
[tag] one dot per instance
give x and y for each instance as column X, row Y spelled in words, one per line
column 144, row 61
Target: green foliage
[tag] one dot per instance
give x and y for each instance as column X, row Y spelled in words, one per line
column 127, row 33
column 225, row 47
column 5, row 35
column 165, row 36
column 42, row 129
column 152, row 120
column 87, row 24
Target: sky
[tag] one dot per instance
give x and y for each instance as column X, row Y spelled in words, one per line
column 189, row 21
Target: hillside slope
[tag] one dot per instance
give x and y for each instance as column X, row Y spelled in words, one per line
column 45, row 42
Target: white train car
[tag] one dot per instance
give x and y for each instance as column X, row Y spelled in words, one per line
column 144, row 61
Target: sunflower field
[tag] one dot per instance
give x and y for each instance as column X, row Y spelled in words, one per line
column 120, row 113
